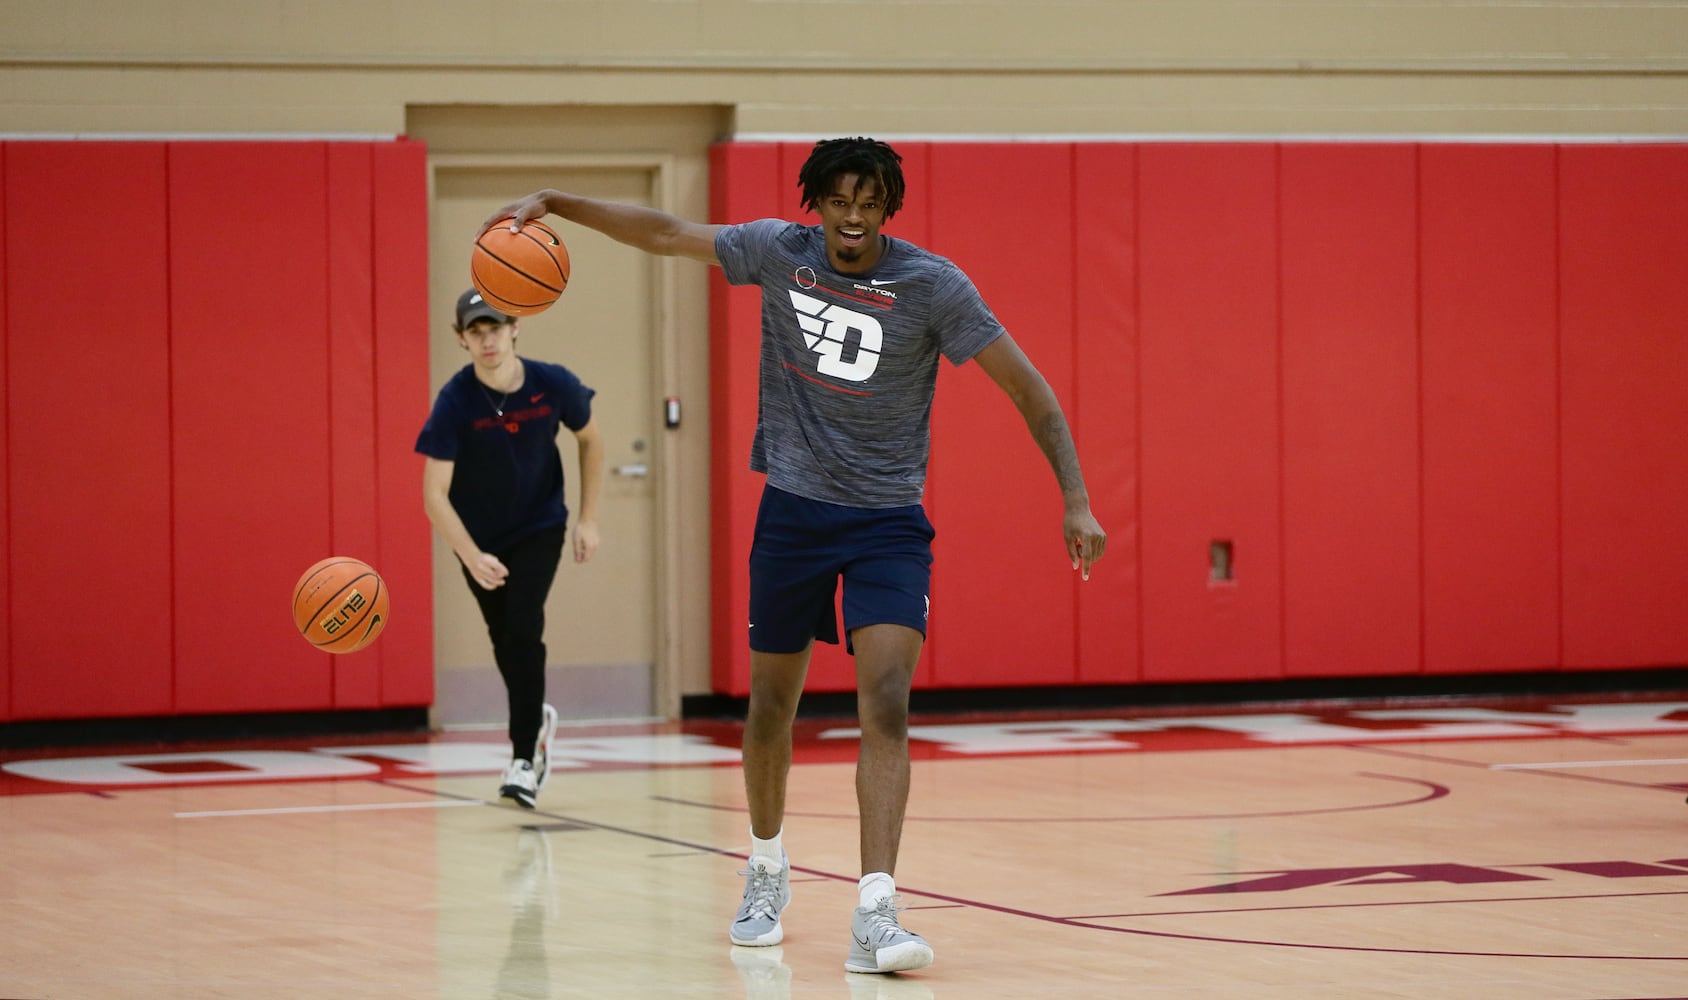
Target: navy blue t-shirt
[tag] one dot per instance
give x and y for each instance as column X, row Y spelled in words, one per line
column 508, row 479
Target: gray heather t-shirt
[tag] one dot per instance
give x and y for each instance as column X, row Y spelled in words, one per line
column 850, row 362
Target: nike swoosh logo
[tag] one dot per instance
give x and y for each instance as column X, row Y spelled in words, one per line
column 875, row 282
column 864, row 942
column 536, row 397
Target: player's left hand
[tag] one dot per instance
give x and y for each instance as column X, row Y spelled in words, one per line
column 1085, row 539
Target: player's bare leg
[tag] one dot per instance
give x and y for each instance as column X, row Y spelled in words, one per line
column 885, row 659
column 776, row 684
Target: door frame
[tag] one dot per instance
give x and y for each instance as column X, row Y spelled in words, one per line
column 660, row 169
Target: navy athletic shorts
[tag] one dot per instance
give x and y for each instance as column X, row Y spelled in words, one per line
column 802, row 547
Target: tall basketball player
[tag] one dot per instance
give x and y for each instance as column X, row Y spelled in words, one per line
column 843, row 437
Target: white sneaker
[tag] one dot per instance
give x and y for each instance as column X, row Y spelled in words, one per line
column 542, row 747
column 519, row 784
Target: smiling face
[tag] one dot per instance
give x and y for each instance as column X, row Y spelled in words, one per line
column 850, row 217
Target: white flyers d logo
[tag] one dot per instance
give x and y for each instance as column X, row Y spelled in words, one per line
column 827, row 328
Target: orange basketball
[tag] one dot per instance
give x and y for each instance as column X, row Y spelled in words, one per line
column 519, row 273
column 340, row 604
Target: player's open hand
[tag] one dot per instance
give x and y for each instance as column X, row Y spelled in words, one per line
column 1085, row 539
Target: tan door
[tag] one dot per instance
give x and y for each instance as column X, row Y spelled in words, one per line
column 600, row 620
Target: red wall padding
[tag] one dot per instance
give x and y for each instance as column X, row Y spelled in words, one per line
column 1430, row 394
column 1210, row 415
column 1104, row 405
column 403, row 394
column 1002, row 596
column 1488, row 339
column 89, row 428
column 229, row 412
column 1349, row 329
column 253, row 459
column 1623, row 219
column 352, row 447
column 5, row 462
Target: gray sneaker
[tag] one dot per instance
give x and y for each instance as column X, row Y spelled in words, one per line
column 766, row 893
column 878, row 942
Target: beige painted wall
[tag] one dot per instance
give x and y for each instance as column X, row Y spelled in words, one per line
column 506, row 77
column 883, row 66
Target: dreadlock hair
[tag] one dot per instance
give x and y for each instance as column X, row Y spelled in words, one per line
column 864, row 157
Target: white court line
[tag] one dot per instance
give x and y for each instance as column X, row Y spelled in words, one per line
column 1585, row 763
column 327, row 809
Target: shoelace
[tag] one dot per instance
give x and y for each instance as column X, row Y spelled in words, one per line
column 761, row 892
column 883, row 922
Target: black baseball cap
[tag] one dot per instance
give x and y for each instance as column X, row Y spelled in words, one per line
column 470, row 307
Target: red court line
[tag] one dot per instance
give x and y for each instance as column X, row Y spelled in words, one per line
column 1545, row 772
column 1435, row 792
column 1345, row 906
column 1047, row 918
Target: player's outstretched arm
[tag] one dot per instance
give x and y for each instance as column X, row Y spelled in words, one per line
column 1010, row 369
column 647, row 229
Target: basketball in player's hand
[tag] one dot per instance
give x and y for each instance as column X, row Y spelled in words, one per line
column 519, row 273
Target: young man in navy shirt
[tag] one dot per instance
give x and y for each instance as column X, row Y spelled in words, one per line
column 493, row 487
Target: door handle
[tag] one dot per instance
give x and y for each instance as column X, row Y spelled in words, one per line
column 633, row 470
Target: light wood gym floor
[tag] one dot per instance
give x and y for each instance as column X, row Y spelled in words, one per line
column 1442, row 849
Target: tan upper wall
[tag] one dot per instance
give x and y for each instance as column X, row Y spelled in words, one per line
column 892, row 67
column 850, row 34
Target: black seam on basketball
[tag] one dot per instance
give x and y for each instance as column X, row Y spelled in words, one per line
column 300, row 592
column 549, row 256
column 511, row 305
column 348, row 585
column 556, row 240
column 508, row 305
column 493, row 254
column 504, row 303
